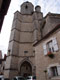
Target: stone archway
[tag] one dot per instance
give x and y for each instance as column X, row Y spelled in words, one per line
column 25, row 69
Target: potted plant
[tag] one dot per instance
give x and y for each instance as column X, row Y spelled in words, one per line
column 45, row 71
column 50, row 54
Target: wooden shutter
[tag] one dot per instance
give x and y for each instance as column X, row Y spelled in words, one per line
column 58, row 70
column 49, row 73
column 55, row 45
column 45, row 49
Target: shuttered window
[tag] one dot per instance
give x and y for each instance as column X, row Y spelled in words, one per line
column 49, row 72
column 45, row 49
column 50, row 46
column 58, row 69
column 53, row 71
column 55, row 45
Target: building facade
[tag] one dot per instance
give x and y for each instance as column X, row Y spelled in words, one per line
column 30, row 34
column 2, row 63
column 47, row 50
column 25, row 32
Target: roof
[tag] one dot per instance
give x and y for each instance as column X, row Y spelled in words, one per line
column 52, row 31
column 27, row 2
column 52, row 14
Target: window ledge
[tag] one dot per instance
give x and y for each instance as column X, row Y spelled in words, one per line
column 57, row 77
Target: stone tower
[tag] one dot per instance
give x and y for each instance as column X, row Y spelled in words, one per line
column 24, row 33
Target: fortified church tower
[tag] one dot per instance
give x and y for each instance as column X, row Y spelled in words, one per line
column 24, row 33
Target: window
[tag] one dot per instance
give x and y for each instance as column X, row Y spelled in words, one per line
column 54, row 71
column 3, row 67
column 25, row 51
column 26, row 7
column 51, row 46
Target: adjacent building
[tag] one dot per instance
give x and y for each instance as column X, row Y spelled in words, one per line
column 34, row 46
column 2, row 63
column 4, row 5
column 47, row 50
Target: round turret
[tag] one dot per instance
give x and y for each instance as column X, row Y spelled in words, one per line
column 27, row 8
column 38, row 8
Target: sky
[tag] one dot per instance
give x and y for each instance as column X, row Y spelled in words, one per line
column 52, row 6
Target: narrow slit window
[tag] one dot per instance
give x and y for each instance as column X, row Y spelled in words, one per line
column 26, row 7
column 25, row 51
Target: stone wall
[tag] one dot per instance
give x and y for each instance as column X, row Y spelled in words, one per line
column 42, row 61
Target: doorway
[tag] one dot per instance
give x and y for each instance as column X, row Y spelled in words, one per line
column 26, row 69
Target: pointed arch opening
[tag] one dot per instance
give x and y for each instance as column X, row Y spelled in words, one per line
column 25, row 69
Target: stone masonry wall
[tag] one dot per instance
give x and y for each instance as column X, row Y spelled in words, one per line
column 42, row 61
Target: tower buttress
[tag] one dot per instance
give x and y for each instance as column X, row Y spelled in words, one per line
column 37, row 18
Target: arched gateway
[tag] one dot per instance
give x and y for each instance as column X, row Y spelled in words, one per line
column 25, row 69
